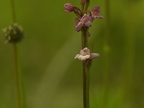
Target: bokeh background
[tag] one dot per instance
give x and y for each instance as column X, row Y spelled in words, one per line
column 52, row 78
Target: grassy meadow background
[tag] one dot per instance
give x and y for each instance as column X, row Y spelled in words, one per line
column 52, row 78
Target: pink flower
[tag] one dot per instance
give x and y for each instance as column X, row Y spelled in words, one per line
column 95, row 13
column 84, row 21
column 85, row 54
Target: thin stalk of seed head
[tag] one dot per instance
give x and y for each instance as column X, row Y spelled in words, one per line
column 13, row 11
column 22, row 89
column 106, row 53
column 19, row 85
column 16, row 77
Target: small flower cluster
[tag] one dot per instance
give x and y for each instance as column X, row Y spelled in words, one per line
column 13, row 33
column 83, row 19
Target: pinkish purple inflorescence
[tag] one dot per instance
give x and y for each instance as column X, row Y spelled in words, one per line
column 83, row 19
column 85, row 54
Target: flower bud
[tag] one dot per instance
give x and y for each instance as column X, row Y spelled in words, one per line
column 68, row 7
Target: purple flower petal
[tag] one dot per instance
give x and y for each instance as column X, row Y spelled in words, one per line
column 78, row 26
column 94, row 55
column 85, row 20
column 95, row 13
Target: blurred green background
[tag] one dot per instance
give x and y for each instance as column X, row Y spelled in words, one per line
column 52, row 78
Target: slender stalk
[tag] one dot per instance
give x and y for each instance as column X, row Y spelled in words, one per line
column 16, row 77
column 19, row 85
column 86, row 75
column 86, row 79
column 22, row 89
column 13, row 11
column 82, row 6
column 84, row 37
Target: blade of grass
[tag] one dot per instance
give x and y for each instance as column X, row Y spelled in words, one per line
column 106, row 54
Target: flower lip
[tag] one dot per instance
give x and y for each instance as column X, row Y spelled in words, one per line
column 82, row 57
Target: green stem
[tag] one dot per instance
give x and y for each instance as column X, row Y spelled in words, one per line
column 22, row 89
column 19, row 85
column 16, row 77
column 86, row 79
column 86, row 74
column 85, row 70
column 84, row 37
column 82, row 6
column 13, row 11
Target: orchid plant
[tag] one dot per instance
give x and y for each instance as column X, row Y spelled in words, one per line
column 83, row 22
